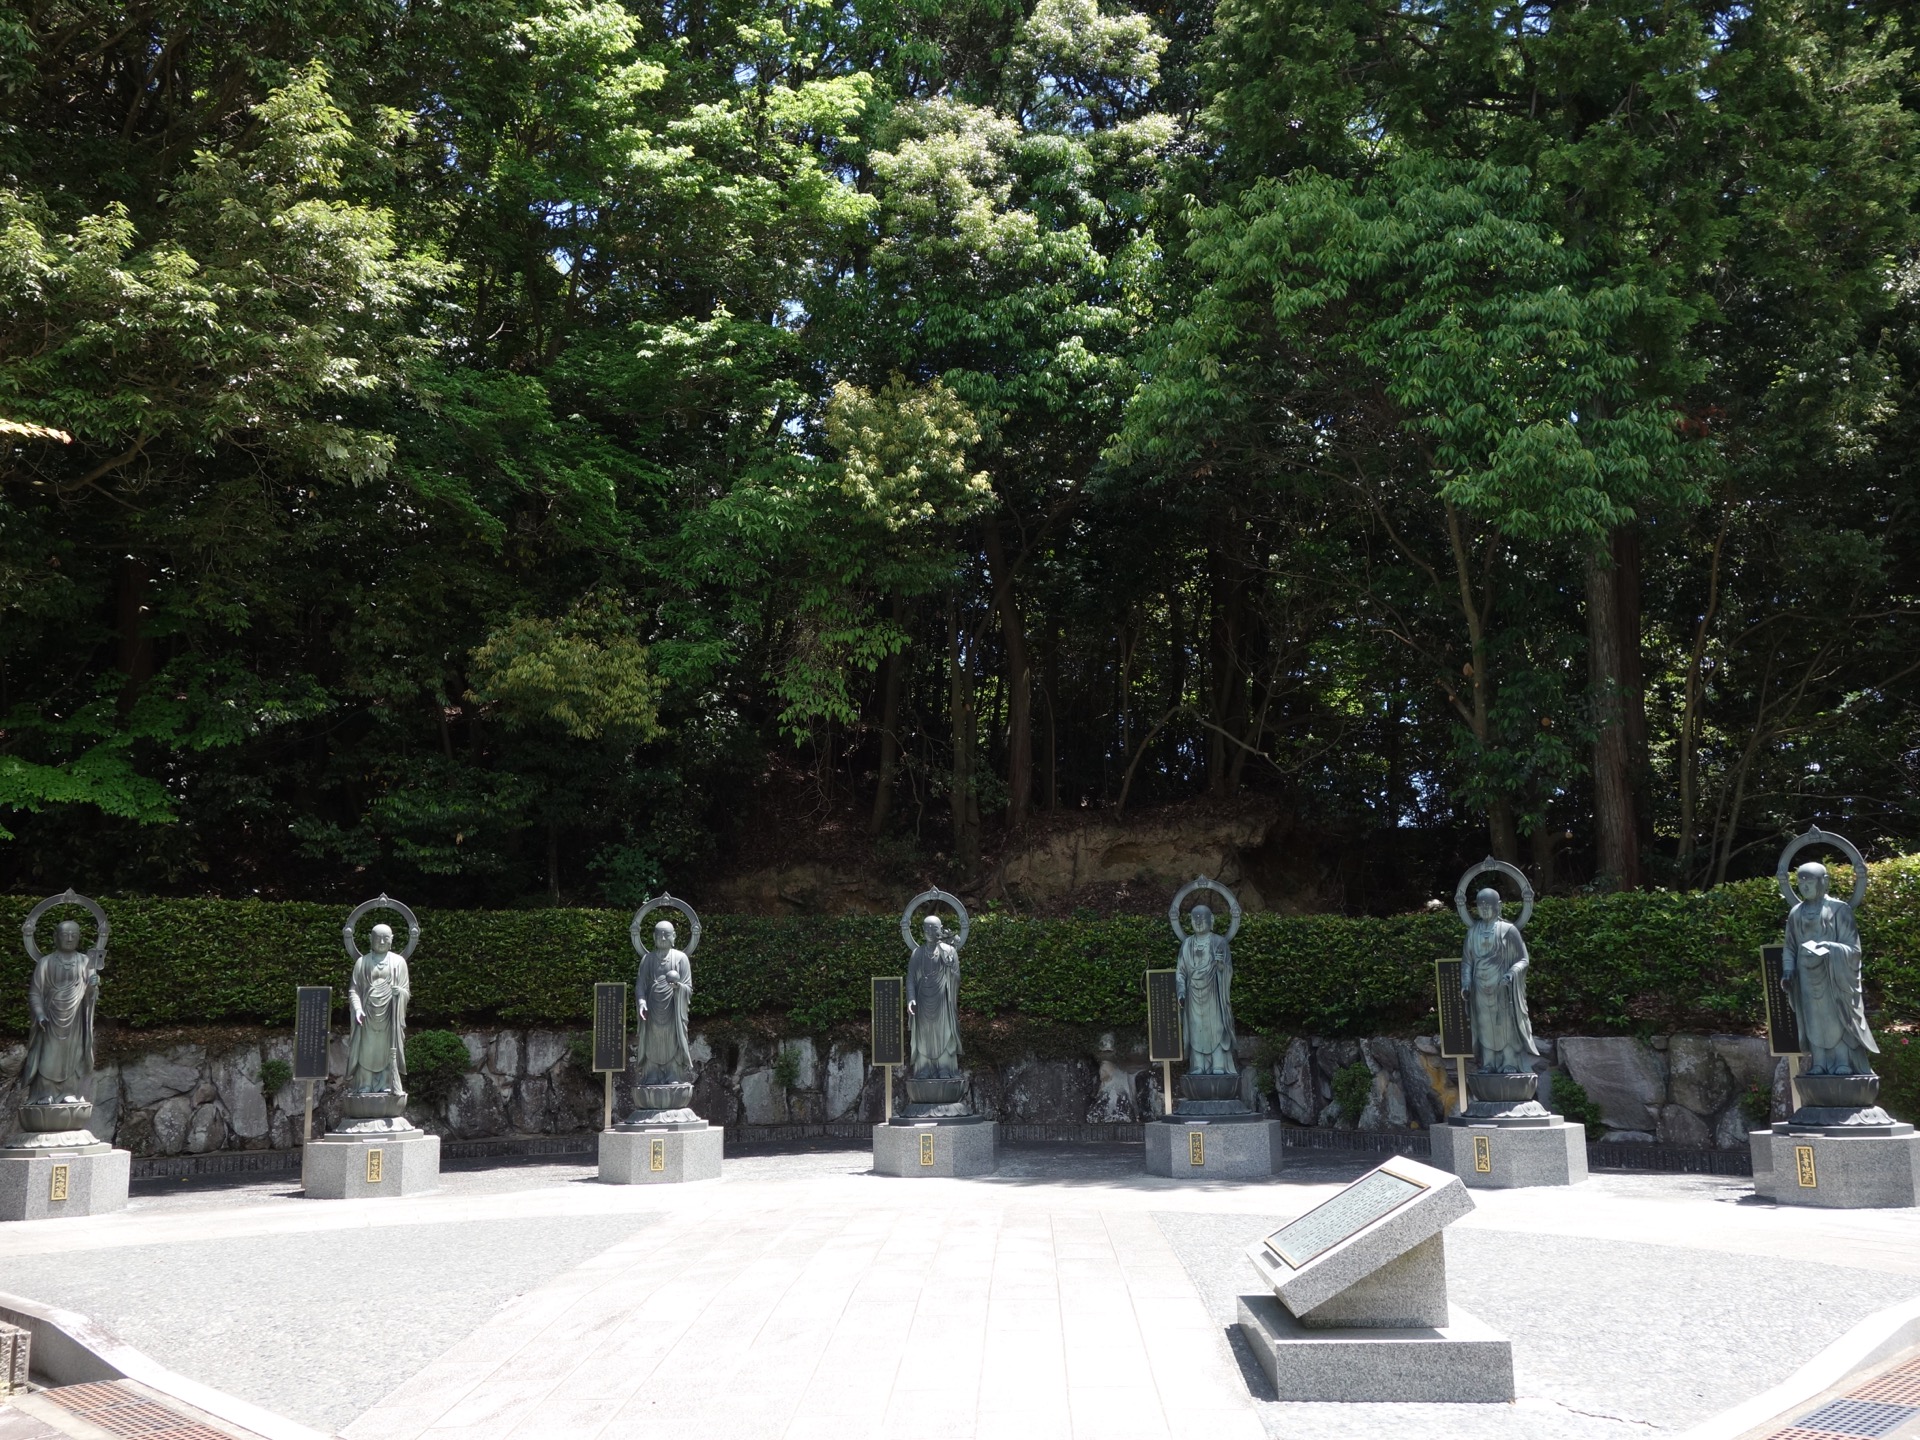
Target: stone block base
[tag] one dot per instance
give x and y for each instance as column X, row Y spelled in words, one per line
column 344, row 1167
column 1463, row 1360
column 660, row 1156
column 1505, row 1157
column 1213, row 1150
column 95, row 1183
column 1837, row 1172
column 953, row 1151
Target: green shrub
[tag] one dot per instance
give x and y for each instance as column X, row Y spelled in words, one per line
column 437, row 1061
column 1756, row 1104
column 786, row 1068
column 1899, row 1067
column 1352, row 1088
column 274, row 1075
column 1570, row 1099
column 1602, row 964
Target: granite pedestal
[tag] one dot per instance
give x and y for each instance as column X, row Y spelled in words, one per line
column 1503, row 1157
column 1358, row 1309
column 1212, row 1147
column 953, row 1148
column 368, row 1165
column 660, row 1155
column 49, row 1181
column 1836, row 1170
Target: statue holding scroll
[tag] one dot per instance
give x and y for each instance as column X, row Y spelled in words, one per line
column 1820, row 963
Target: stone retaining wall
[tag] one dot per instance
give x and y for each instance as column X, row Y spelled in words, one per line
column 189, row 1096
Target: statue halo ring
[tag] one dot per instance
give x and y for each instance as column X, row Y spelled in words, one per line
column 1203, row 883
column 1816, row 836
column 382, row 902
column 67, row 897
column 924, row 897
column 1488, row 866
column 665, row 901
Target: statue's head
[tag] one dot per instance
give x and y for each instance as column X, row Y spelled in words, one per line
column 932, row 929
column 69, row 936
column 381, row 940
column 1487, row 904
column 1811, row 880
column 663, row 935
column 1202, row 918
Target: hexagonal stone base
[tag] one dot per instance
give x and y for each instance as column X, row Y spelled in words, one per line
column 1847, row 1172
column 952, row 1151
column 1186, row 1149
column 1464, row 1360
column 95, row 1183
column 1512, row 1155
column 340, row 1167
column 660, row 1157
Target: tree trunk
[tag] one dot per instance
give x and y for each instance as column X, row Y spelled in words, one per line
column 889, row 731
column 553, row 861
column 1616, row 830
column 966, row 838
column 1019, row 684
column 135, row 650
column 1633, row 684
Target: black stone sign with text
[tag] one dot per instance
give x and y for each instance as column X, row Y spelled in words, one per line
column 609, row 1027
column 1345, row 1215
column 1163, row 1016
column 1456, row 1031
column 889, row 1020
column 1783, row 1031
column 312, row 1017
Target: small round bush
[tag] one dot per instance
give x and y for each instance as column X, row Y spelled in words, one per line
column 1352, row 1088
column 274, row 1075
column 437, row 1060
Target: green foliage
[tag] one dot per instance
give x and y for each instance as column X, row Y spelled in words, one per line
column 437, row 1061
column 1352, row 1088
column 1899, row 1067
column 1570, row 1099
column 1602, row 964
column 275, row 1076
column 1756, row 1104
column 786, row 1068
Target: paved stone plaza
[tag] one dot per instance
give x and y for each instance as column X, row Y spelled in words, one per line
column 801, row 1296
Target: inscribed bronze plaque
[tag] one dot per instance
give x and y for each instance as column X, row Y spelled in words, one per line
column 1482, row 1155
column 657, row 1155
column 312, row 1015
column 1163, row 1016
column 1456, row 1030
column 1783, row 1030
column 1803, row 1167
column 1370, row 1198
column 889, row 1020
column 58, row 1185
column 609, row 1027
column 375, row 1166
column 926, row 1149
column 1196, row 1147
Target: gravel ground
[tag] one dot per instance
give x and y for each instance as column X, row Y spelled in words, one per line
column 316, row 1327
column 1609, row 1339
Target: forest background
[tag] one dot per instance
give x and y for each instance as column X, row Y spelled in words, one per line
column 516, row 452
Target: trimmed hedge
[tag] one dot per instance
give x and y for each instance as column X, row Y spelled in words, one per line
column 1643, row 961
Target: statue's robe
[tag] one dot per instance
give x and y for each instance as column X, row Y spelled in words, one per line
column 665, row 982
column 1825, row 989
column 1206, row 1005
column 1502, row 1035
column 377, row 1041
column 933, row 984
column 60, row 999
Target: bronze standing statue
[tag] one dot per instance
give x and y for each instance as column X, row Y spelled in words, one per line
column 377, row 997
column 56, row 1077
column 1203, row 981
column 663, row 994
column 934, row 1078
column 1493, row 982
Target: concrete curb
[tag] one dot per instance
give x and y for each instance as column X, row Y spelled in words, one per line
column 69, row 1349
column 1882, row 1334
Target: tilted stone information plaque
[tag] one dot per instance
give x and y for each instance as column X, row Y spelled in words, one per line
column 1342, row 1217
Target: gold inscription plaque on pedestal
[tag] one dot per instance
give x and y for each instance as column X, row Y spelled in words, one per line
column 1196, row 1147
column 375, row 1161
column 657, row 1155
column 57, row 1185
column 926, row 1149
column 1482, row 1155
column 1803, row 1167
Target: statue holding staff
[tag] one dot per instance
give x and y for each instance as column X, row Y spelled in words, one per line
column 933, row 990
column 61, row 999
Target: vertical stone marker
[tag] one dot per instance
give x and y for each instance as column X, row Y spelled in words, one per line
column 1504, row 1137
column 1358, row 1308
column 1209, row 1133
column 661, row 1142
column 56, row 1165
column 1839, row 1149
column 936, row 1132
column 375, row 1150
